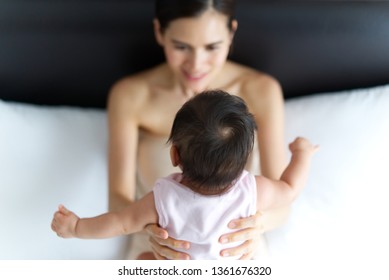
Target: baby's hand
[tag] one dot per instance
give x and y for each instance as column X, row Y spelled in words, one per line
column 64, row 222
column 302, row 144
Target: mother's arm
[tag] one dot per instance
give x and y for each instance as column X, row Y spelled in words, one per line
column 269, row 113
column 264, row 98
column 123, row 143
column 126, row 101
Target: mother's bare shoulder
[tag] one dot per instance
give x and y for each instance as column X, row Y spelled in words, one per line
column 253, row 82
column 133, row 92
column 254, row 85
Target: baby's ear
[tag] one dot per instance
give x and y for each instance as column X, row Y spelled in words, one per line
column 174, row 156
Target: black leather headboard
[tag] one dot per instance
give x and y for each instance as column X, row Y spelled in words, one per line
column 70, row 52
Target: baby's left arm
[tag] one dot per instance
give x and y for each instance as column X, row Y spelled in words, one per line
column 273, row 194
column 131, row 219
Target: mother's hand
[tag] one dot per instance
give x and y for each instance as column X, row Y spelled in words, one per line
column 249, row 230
column 162, row 244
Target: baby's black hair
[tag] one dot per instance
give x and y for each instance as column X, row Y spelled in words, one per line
column 214, row 136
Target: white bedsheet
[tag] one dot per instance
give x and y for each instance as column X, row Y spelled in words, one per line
column 58, row 155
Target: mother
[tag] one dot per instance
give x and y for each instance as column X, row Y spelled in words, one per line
column 196, row 37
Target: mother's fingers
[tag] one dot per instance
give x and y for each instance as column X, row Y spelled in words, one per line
column 163, row 245
column 173, row 243
column 156, row 254
column 254, row 221
column 156, row 231
column 247, row 256
column 246, row 250
column 161, row 237
column 240, row 235
column 165, row 252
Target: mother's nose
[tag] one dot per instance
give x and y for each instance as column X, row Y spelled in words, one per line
column 196, row 60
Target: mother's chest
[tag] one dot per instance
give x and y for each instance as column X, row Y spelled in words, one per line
column 153, row 160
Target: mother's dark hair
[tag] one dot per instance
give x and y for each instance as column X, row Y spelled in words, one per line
column 169, row 10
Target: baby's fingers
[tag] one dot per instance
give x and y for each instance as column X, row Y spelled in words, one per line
column 53, row 226
column 56, row 228
column 63, row 210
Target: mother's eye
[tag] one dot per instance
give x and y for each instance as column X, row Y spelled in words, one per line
column 180, row 47
column 212, row 47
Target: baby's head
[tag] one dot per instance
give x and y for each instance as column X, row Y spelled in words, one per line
column 212, row 137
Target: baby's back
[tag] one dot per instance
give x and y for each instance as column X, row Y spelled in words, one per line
column 202, row 219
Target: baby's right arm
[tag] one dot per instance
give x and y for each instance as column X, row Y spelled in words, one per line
column 273, row 193
column 130, row 219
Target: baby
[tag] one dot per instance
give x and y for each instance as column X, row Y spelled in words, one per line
column 211, row 139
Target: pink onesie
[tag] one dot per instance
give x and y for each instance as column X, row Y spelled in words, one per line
column 202, row 219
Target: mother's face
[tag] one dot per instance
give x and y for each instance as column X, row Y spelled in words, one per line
column 196, row 48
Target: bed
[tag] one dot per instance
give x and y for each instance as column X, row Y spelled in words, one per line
column 58, row 60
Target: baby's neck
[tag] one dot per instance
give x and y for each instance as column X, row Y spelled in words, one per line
column 200, row 190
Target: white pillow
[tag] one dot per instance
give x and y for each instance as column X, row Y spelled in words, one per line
column 51, row 156
column 342, row 211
